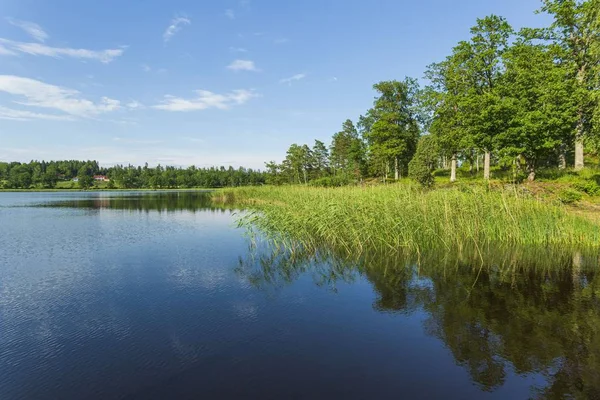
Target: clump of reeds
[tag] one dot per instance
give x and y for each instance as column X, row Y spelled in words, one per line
column 405, row 218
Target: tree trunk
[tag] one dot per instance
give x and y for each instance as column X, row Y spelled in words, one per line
column 580, row 130
column 486, row 166
column 453, row 168
column 478, row 157
column 579, row 164
column 530, row 171
column 562, row 158
column 396, row 169
column 471, row 162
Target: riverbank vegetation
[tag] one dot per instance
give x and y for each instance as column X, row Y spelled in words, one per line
column 507, row 104
column 405, row 218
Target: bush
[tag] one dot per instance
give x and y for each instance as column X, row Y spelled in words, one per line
column 420, row 172
column 330, row 181
column 569, row 196
column 588, row 187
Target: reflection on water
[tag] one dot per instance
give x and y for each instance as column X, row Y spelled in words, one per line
column 158, row 295
column 535, row 312
column 140, row 201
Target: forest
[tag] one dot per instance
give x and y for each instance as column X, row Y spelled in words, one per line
column 75, row 174
column 504, row 102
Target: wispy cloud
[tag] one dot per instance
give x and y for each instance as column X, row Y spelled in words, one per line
column 43, row 95
column 6, row 52
column 38, row 49
column 291, row 79
column 31, row 28
column 281, row 40
column 242, row 65
column 176, row 25
column 24, row 115
column 229, row 13
column 238, row 50
column 146, row 68
column 193, row 139
column 136, row 141
column 134, row 104
column 205, row 100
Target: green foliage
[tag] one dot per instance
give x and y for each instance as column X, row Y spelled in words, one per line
column 393, row 128
column 330, row 181
column 59, row 174
column 569, row 196
column 348, row 152
column 589, row 187
column 421, row 166
column 420, row 172
column 398, row 218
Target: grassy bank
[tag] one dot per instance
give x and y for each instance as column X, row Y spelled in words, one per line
column 405, row 218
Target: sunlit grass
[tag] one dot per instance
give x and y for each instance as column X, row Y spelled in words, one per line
column 406, row 218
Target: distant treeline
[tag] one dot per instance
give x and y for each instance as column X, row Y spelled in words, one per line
column 85, row 174
column 515, row 100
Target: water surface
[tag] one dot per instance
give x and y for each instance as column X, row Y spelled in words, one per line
column 143, row 295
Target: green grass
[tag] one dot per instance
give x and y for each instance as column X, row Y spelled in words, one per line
column 401, row 218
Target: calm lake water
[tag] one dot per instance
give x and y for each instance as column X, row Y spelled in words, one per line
column 160, row 295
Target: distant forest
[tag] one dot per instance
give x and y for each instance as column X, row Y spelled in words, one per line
column 88, row 174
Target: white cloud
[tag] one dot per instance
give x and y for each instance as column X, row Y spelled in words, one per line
column 229, row 13
column 176, row 25
column 238, row 50
column 6, row 52
column 133, row 104
column 40, row 94
column 205, row 100
column 146, row 68
column 281, row 40
column 38, row 49
column 136, row 141
column 23, row 115
column 291, row 79
column 193, row 139
column 242, row 65
column 31, row 28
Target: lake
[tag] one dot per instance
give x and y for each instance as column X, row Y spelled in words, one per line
column 146, row 295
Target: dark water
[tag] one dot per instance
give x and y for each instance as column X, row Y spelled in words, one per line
column 155, row 296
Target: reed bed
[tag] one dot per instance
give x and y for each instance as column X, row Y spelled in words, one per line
column 401, row 218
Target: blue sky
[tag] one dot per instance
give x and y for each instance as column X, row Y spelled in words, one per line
column 210, row 82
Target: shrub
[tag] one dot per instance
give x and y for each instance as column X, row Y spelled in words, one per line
column 569, row 196
column 330, row 181
column 420, row 172
column 588, row 187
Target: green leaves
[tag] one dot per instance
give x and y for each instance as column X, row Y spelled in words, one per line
column 392, row 125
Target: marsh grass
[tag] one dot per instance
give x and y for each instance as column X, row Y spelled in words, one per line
column 406, row 219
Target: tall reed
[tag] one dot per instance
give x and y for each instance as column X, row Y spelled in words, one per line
column 405, row 218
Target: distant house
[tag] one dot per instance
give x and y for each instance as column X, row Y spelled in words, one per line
column 75, row 179
column 101, row 178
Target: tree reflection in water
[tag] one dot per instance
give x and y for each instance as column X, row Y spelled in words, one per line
column 532, row 310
